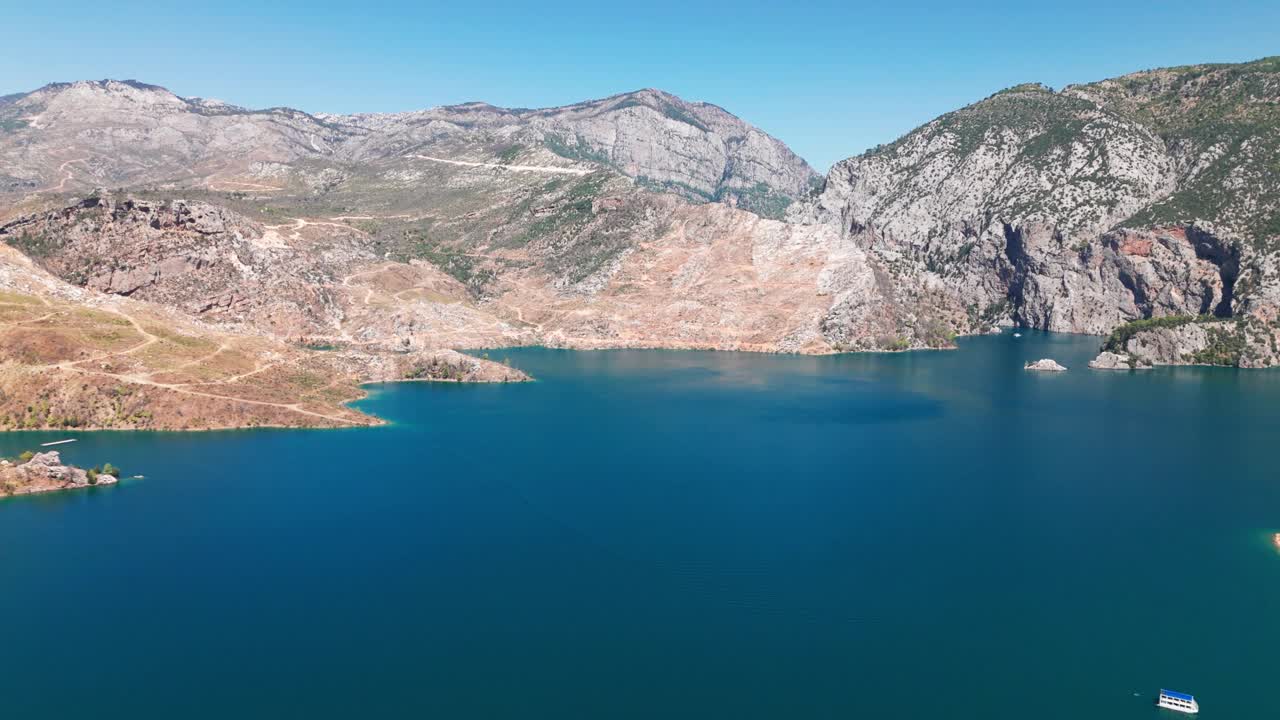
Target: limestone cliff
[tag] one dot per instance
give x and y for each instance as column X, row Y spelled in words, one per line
column 1150, row 195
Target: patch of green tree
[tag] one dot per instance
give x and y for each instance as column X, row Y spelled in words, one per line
column 508, row 154
column 34, row 245
column 680, row 115
column 104, row 469
column 675, row 187
column 580, row 149
column 1119, row 337
column 1226, row 346
column 435, row 369
column 759, row 199
column 455, row 262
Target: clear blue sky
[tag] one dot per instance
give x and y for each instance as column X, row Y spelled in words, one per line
column 829, row 78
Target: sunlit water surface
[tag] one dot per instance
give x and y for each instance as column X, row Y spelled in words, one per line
column 676, row 534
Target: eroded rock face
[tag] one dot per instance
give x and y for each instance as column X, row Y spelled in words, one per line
column 721, row 278
column 201, row 258
column 705, row 276
column 1122, row 276
column 1168, row 346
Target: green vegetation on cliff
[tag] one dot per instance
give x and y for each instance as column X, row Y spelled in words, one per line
column 1227, row 346
column 1224, row 120
column 1228, row 340
column 1120, row 337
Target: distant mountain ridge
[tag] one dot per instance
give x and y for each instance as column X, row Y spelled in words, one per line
column 695, row 150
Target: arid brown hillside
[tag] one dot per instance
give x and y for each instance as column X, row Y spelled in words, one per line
column 71, row 358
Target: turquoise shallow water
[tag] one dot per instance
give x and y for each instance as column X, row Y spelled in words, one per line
column 670, row 534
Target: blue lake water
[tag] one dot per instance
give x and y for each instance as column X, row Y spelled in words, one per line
column 649, row 534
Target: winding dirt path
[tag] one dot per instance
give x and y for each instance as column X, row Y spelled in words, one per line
column 67, row 175
column 341, row 218
column 185, row 389
column 222, row 347
column 149, row 339
column 514, row 168
column 295, row 226
column 212, row 181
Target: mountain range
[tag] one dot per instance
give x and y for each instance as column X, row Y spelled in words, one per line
column 267, row 261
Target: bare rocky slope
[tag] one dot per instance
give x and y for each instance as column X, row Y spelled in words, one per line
column 72, row 357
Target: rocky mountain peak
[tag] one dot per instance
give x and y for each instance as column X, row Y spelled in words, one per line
column 98, row 93
column 651, row 98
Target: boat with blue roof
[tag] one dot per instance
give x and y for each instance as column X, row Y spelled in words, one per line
column 1180, row 702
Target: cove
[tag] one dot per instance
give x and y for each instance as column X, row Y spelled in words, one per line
column 646, row 534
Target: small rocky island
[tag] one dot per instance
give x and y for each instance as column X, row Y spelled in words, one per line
column 1108, row 360
column 1045, row 365
column 45, row 472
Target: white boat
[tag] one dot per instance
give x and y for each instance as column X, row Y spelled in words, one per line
column 1180, row 702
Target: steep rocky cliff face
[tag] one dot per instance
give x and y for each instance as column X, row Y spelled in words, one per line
column 1150, row 195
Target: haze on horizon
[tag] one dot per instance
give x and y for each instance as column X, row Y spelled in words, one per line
column 829, row 79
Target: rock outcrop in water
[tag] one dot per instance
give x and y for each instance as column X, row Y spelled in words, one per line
column 1108, row 360
column 45, row 472
column 1045, row 365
